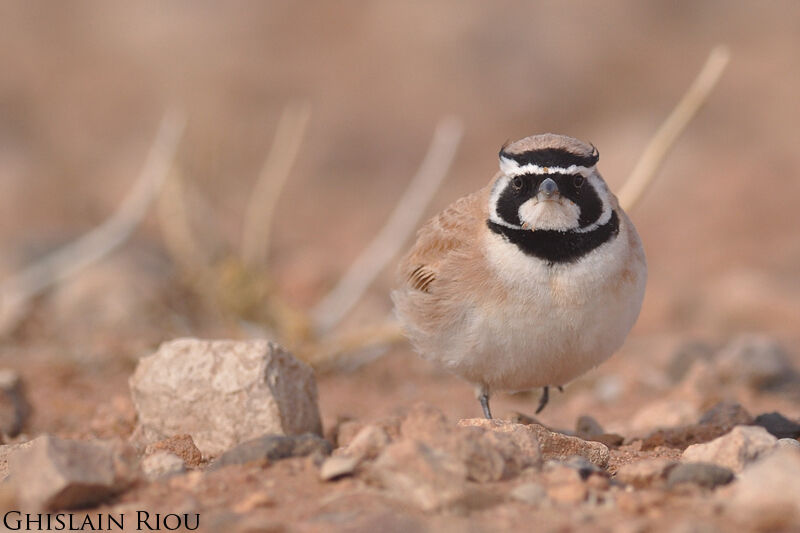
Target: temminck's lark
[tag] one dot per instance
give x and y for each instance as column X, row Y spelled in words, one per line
column 530, row 281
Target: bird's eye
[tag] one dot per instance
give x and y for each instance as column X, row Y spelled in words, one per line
column 578, row 181
column 516, row 183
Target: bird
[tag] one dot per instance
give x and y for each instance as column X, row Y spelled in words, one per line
column 529, row 282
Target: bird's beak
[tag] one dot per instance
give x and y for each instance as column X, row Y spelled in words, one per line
column 548, row 189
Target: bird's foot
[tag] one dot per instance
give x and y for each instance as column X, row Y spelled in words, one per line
column 484, row 399
column 544, row 399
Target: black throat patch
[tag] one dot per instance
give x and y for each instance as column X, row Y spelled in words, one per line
column 558, row 246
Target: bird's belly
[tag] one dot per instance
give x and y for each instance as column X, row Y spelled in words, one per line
column 547, row 332
column 517, row 348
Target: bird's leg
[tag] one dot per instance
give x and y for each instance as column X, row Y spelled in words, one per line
column 544, row 399
column 483, row 398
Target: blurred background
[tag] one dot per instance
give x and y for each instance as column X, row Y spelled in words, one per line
column 83, row 87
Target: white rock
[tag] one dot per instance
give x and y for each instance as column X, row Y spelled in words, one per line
column 766, row 493
column 14, row 407
column 644, row 473
column 338, row 466
column 661, row 414
column 368, row 443
column 162, row 465
column 428, row 478
column 755, row 360
column 223, row 393
column 735, row 450
column 792, row 444
column 5, row 451
column 55, row 473
column 530, row 493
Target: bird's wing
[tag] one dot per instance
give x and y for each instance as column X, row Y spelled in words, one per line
column 454, row 230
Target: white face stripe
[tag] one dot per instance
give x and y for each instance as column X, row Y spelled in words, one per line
column 511, row 168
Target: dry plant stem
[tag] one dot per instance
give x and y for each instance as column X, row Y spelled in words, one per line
column 338, row 352
column 176, row 228
column 17, row 291
column 644, row 172
column 277, row 166
column 332, row 309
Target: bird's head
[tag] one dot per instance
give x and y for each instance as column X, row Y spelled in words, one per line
column 549, row 183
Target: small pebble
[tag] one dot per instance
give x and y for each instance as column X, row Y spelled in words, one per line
column 530, row 493
column 338, row 466
column 778, row 425
column 704, row 474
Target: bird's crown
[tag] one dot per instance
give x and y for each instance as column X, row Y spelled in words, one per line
column 547, row 153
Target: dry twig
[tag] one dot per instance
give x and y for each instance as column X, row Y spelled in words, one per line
column 649, row 162
column 261, row 208
column 332, row 309
column 176, row 227
column 346, row 349
column 17, row 291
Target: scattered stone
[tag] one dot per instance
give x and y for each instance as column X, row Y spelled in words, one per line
column 734, row 450
column 181, row 445
column 756, row 361
column 583, row 467
column 645, row 473
column 727, row 415
column 161, row 465
column 270, row 448
column 338, row 466
column 521, row 418
column 611, row 440
column 368, row 443
column 253, row 501
column 702, row 385
column 429, row 478
column 530, row 493
column 223, row 393
column 348, row 429
column 345, row 431
column 703, row 474
column 14, row 407
column 587, row 427
column 663, row 414
column 68, row 474
column 518, row 443
column 487, row 457
column 488, row 453
column 685, row 356
column 766, row 496
column 551, row 445
column 5, row 451
column 564, row 483
column 791, row 444
column 714, row 423
column 424, row 422
column 778, row 425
